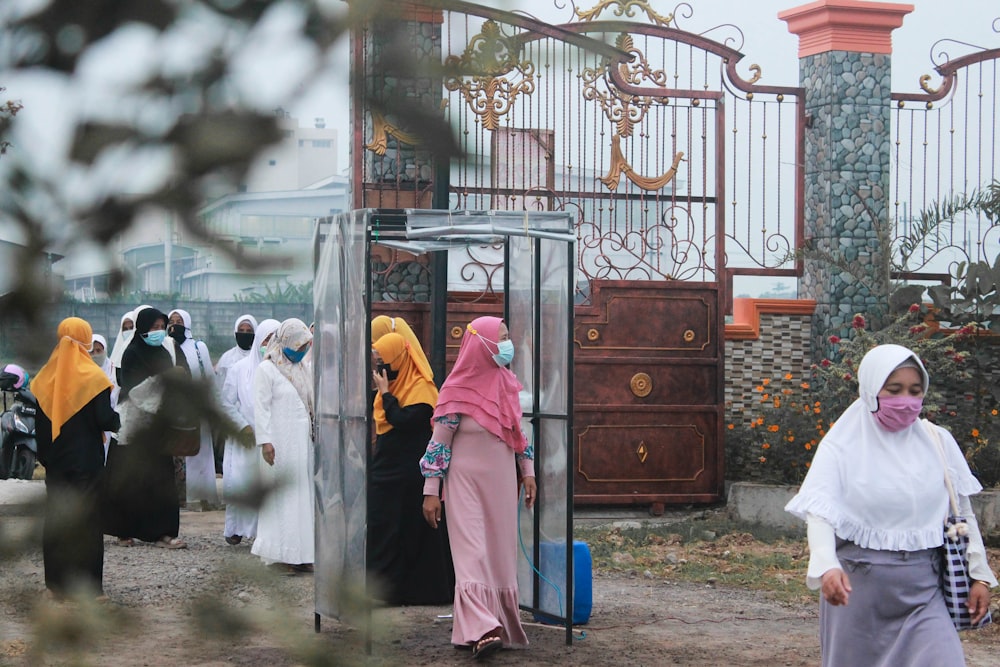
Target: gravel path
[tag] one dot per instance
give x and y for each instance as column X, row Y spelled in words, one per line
column 215, row 604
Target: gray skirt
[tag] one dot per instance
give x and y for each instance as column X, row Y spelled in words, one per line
column 896, row 613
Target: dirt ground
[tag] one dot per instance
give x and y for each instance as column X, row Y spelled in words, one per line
column 214, row 604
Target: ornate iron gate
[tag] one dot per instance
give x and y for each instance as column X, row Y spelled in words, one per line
column 946, row 145
column 683, row 175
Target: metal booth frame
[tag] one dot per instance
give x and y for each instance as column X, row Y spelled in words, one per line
column 539, row 283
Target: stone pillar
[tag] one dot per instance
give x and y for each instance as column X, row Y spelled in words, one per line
column 402, row 76
column 844, row 66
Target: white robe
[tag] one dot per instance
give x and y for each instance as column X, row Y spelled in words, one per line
column 241, row 467
column 229, row 358
column 200, row 468
column 286, row 526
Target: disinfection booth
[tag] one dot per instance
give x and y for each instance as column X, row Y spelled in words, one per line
column 538, row 293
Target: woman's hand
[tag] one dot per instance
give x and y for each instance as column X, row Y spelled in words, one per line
column 246, row 437
column 836, row 587
column 267, row 451
column 530, row 491
column 381, row 381
column 979, row 601
column 432, row 511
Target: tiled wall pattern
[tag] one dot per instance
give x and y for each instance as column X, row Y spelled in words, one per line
column 783, row 347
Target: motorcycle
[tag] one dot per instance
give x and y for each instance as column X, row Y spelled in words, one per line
column 18, row 447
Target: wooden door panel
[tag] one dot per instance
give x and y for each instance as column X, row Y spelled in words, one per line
column 639, row 319
column 632, row 381
column 647, row 394
column 651, row 456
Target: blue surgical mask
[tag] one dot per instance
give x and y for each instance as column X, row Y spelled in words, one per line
column 294, row 356
column 154, row 338
column 505, row 353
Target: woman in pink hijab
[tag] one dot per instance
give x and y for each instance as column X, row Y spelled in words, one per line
column 470, row 465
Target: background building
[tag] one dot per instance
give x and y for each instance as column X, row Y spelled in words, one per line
column 270, row 219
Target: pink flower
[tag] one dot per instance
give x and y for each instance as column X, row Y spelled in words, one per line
column 919, row 329
column 825, row 363
column 915, row 308
column 859, row 322
column 834, row 339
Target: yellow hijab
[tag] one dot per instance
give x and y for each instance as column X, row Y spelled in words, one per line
column 70, row 379
column 412, row 387
column 383, row 325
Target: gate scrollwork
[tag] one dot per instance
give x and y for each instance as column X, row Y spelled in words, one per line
column 482, row 74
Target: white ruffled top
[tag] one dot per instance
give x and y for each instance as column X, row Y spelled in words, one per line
column 878, row 489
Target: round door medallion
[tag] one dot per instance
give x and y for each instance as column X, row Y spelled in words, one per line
column 641, row 384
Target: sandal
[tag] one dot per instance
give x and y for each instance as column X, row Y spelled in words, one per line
column 234, row 539
column 487, row 645
column 166, row 542
column 125, row 542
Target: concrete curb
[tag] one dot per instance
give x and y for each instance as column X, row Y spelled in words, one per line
column 765, row 504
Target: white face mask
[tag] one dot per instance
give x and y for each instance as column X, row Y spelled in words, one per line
column 127, row 335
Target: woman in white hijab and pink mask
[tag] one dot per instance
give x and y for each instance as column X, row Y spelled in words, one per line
column 875, row 502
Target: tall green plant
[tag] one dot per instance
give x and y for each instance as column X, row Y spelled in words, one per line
column 290, row 293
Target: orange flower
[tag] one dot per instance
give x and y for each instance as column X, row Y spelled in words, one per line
column 788, row 376
column 975, row 433
column 759, row 388
column 993, row 412
column 808, row 464
column 791, row 438
column 762, row 459
column 816, row 404
column 766, row 381
column 809, row 445
column 816, row 411
column 804, row 385
column 760, row 421
column 765, row 446
column 773, row 428
column 731, row 427
column 764, row 398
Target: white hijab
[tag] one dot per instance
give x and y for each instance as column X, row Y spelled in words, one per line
column 237, row 353
column 122, row 339
column 107, row 366
column 879, row 489
column 199, row 369
column 244, row 371
column 293, row 333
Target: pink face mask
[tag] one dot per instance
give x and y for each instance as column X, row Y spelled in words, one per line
column 897, row 412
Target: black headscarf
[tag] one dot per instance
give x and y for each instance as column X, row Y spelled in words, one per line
column 140, row 360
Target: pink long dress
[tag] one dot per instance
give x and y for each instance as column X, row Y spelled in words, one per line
column 480, row 499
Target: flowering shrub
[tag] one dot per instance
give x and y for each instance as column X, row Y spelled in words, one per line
column 776, row 441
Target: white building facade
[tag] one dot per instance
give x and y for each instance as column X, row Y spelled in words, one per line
column 269, row 222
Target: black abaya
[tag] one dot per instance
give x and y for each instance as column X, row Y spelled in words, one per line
column 141, row 496
column 72, row 539
column 408, row 561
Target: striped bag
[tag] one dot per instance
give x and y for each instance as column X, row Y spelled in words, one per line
column 955, row 580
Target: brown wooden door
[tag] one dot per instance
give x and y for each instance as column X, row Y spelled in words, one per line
column 648, row 394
